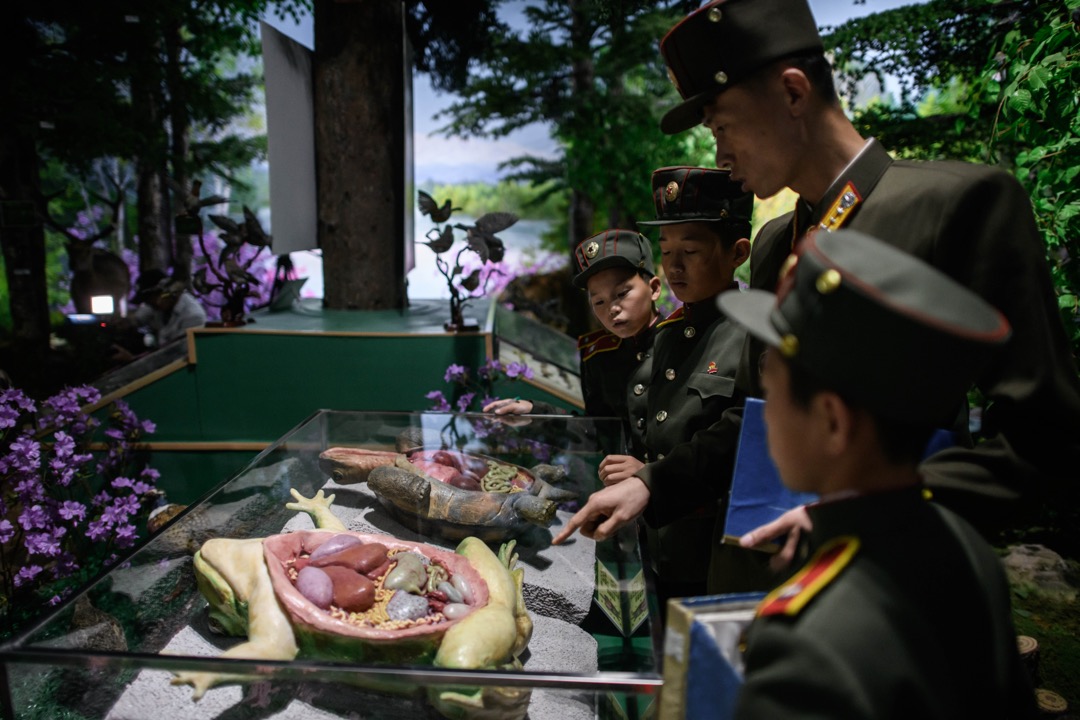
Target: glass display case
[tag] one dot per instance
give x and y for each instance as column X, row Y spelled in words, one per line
column 115, row 650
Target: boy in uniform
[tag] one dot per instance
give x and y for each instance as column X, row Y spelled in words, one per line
column 675, row 404
column 903, row 612
column 615, row 268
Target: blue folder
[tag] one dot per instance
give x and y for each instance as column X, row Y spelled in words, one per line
column 757, row 495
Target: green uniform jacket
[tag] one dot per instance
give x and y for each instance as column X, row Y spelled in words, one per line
column 607, row 363
column 673, row 404
column 975, row 224
column 915, row 623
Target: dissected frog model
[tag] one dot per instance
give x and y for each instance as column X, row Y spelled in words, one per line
column 335, row 594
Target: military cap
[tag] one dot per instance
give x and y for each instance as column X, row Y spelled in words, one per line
column 608, row 249
column 885, row 330
column 724, row 42
column 693, row 194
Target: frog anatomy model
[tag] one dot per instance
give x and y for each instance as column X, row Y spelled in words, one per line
column 368, row 599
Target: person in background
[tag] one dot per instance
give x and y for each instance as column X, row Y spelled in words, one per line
column 165, row 308
column 904, row 610
column 615, row 268
column 677, row 403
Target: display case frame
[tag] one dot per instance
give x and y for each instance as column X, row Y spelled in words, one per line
column 88, row 658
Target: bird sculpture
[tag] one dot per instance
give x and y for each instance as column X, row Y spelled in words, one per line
column 429, row 207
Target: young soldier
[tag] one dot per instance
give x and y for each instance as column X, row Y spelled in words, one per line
column 753, row 72
column 615, row 267
column 903, row 612
column 704, row 221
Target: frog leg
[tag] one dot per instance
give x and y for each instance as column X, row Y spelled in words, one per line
column 241, row 564
column 318, row 507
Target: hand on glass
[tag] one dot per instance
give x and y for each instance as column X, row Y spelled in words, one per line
column 608, row 510
column 616, row 468
column 792, row 523
column 509, row 406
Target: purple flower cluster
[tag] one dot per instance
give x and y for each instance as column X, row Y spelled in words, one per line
column 52, row 524
column 469, row 394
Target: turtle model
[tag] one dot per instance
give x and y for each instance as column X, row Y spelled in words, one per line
column 457, row 610
column 452, row 494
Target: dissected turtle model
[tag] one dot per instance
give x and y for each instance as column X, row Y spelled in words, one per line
column 450, row 493
column 348, row 596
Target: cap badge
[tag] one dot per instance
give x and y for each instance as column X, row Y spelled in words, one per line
column 828, row 281
column 720, row 77
column 789, row 346
column 712, row 368
column 715, row 14
column 671, row 191
column 591, row 249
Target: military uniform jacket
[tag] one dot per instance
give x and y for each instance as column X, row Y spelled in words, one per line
column 607, row 363
column 673, row 405
column 975, row 224
column 903, row 613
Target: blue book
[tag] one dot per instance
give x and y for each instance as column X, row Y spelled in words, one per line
column 757, row 495
column 703, row 655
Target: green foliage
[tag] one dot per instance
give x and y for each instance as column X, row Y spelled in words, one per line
column 545, row 201
column 591, row 71
column 1038, row 123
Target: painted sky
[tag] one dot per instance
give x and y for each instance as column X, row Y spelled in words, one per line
column 454, row 160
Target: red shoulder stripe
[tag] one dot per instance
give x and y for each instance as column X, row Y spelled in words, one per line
column 604, row 343
column 827, row 563
column 673, row 317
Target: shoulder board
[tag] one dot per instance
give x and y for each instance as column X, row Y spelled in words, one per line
column 673, row 317
column 590, row 338
column 604, row 343
column 823, row 568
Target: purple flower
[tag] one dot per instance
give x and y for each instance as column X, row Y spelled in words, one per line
column 148, row 427
column 129, row 504
column 64, row 446
column 7, row 531
column 42, row 544
column 149, row 474
column 96, row 530
column 30, row 490
column 439, row 400
column 72, row 510
column 490, row 369
column 456, row 373
column 26, row 574
column 24, row 455
column 8, row 417
column 34, row 517
column 141, row 488
column 125, row 536
column 17, row 398
column 114, row 514
column 115, row 433
column 464, row 401
column 122, row 482
column 516, row 369
column 102, row 498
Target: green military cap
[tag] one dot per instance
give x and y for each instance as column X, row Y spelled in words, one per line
column 694, row 194
column 879, row 326
column 608, row 249
column 724, row 42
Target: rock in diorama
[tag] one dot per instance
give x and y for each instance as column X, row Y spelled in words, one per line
column 334, row 594
column 450, row 493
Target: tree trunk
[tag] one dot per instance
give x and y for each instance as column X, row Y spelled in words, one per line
column 360, row 152
column 582, row 208
column 23, row 238
column 147, row 113
column 180, row 124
